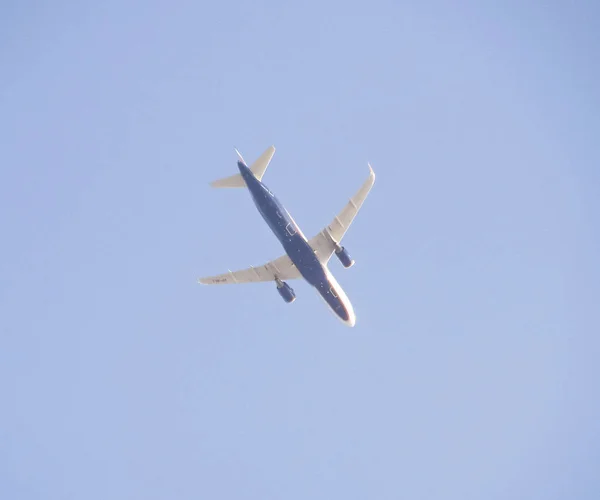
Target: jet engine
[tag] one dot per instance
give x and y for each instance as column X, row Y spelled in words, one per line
column 286, row 291
column 344, row 257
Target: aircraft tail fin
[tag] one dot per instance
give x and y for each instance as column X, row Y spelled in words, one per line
column 258, row 168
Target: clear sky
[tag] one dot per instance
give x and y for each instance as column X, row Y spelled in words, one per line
column 472, row 372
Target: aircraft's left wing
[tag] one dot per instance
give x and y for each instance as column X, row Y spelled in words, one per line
column 282, row 268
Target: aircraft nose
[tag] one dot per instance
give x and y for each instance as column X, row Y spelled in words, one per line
column 347, row 317
column 346, row 314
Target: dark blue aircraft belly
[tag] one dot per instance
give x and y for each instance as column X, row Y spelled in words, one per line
column 334, row 302
column 288, row 234
column 312, row 270
column 297, row 248
column 306, row 261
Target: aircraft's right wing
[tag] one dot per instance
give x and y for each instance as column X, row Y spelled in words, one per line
column 282, row 268
column 325, row 242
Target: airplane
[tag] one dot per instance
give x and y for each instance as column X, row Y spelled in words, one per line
column 303, row 258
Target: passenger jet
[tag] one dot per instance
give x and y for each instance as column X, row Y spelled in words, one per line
column 303, row 258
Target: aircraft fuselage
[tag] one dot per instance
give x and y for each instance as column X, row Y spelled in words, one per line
column 297, row 248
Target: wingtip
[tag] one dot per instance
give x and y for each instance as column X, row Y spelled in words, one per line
column 371, row 171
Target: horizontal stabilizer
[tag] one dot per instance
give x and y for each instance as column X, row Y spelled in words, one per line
column 258, row 168
column 233, row 181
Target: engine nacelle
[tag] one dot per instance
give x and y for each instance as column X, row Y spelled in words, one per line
column 344, row 257
column 286, row 291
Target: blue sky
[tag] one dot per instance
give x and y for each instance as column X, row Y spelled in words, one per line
column 472, row 370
